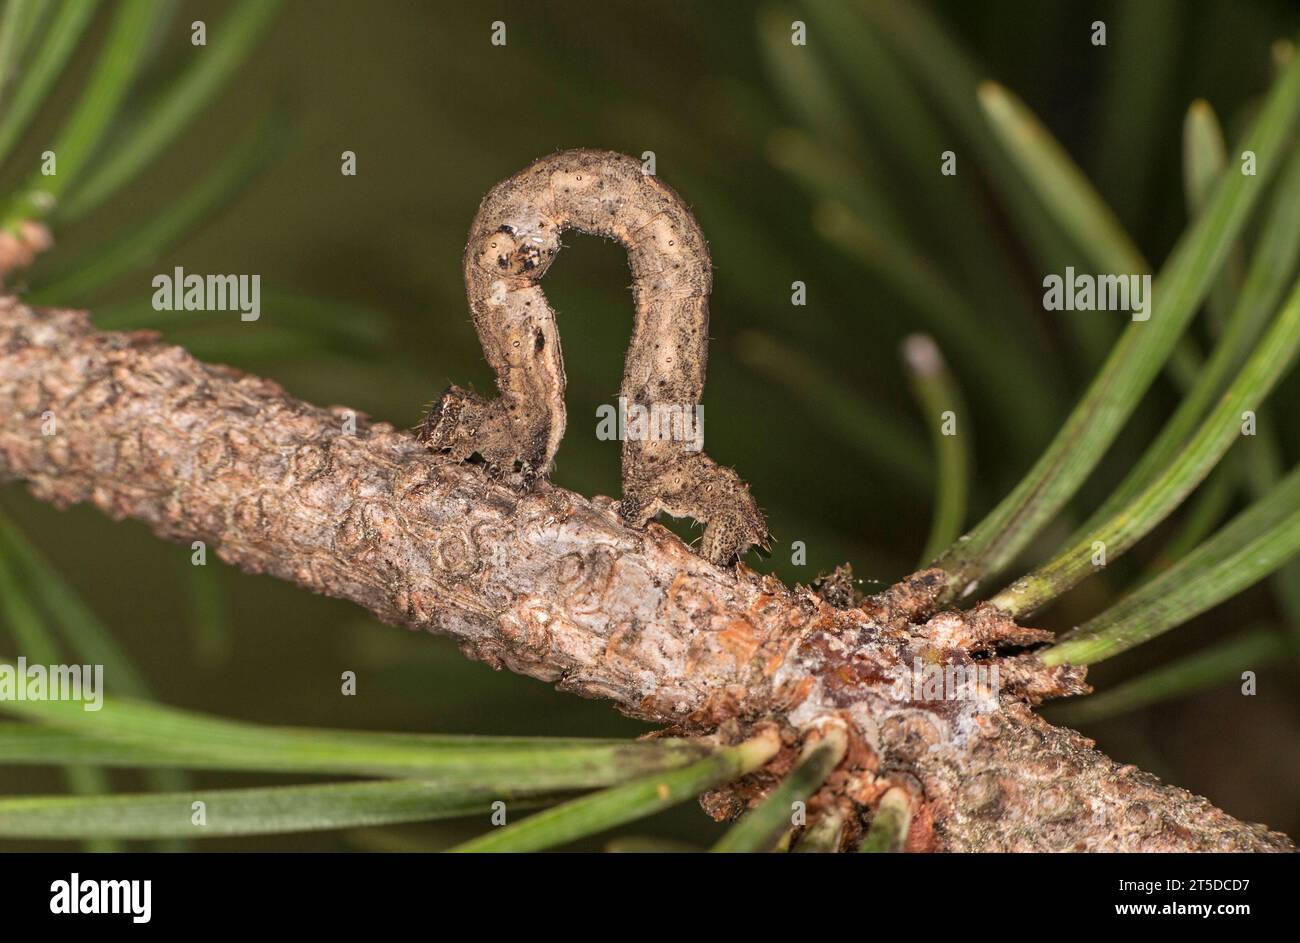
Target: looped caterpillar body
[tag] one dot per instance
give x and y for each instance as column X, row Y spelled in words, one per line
column 513, row 240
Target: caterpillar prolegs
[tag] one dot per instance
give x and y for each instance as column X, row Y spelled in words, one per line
column 512, row 242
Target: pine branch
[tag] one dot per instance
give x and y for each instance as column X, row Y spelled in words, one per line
column 553, row 585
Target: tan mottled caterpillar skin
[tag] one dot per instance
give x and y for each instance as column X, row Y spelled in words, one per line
column 514, row 238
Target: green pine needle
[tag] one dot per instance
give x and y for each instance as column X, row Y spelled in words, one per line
column 1218, row 665
column 1254, row 544
column 260, row 811
column 1132, row 366
column 637, row 799
column 1197, row 459
column 890, row 825
column 763, row 826
column 941, row 403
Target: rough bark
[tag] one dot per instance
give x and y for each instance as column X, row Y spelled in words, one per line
column 555, row 586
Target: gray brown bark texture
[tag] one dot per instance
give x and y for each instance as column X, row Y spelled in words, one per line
column 555, row 586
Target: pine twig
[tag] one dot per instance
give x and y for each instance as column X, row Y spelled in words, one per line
column 555, row 586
